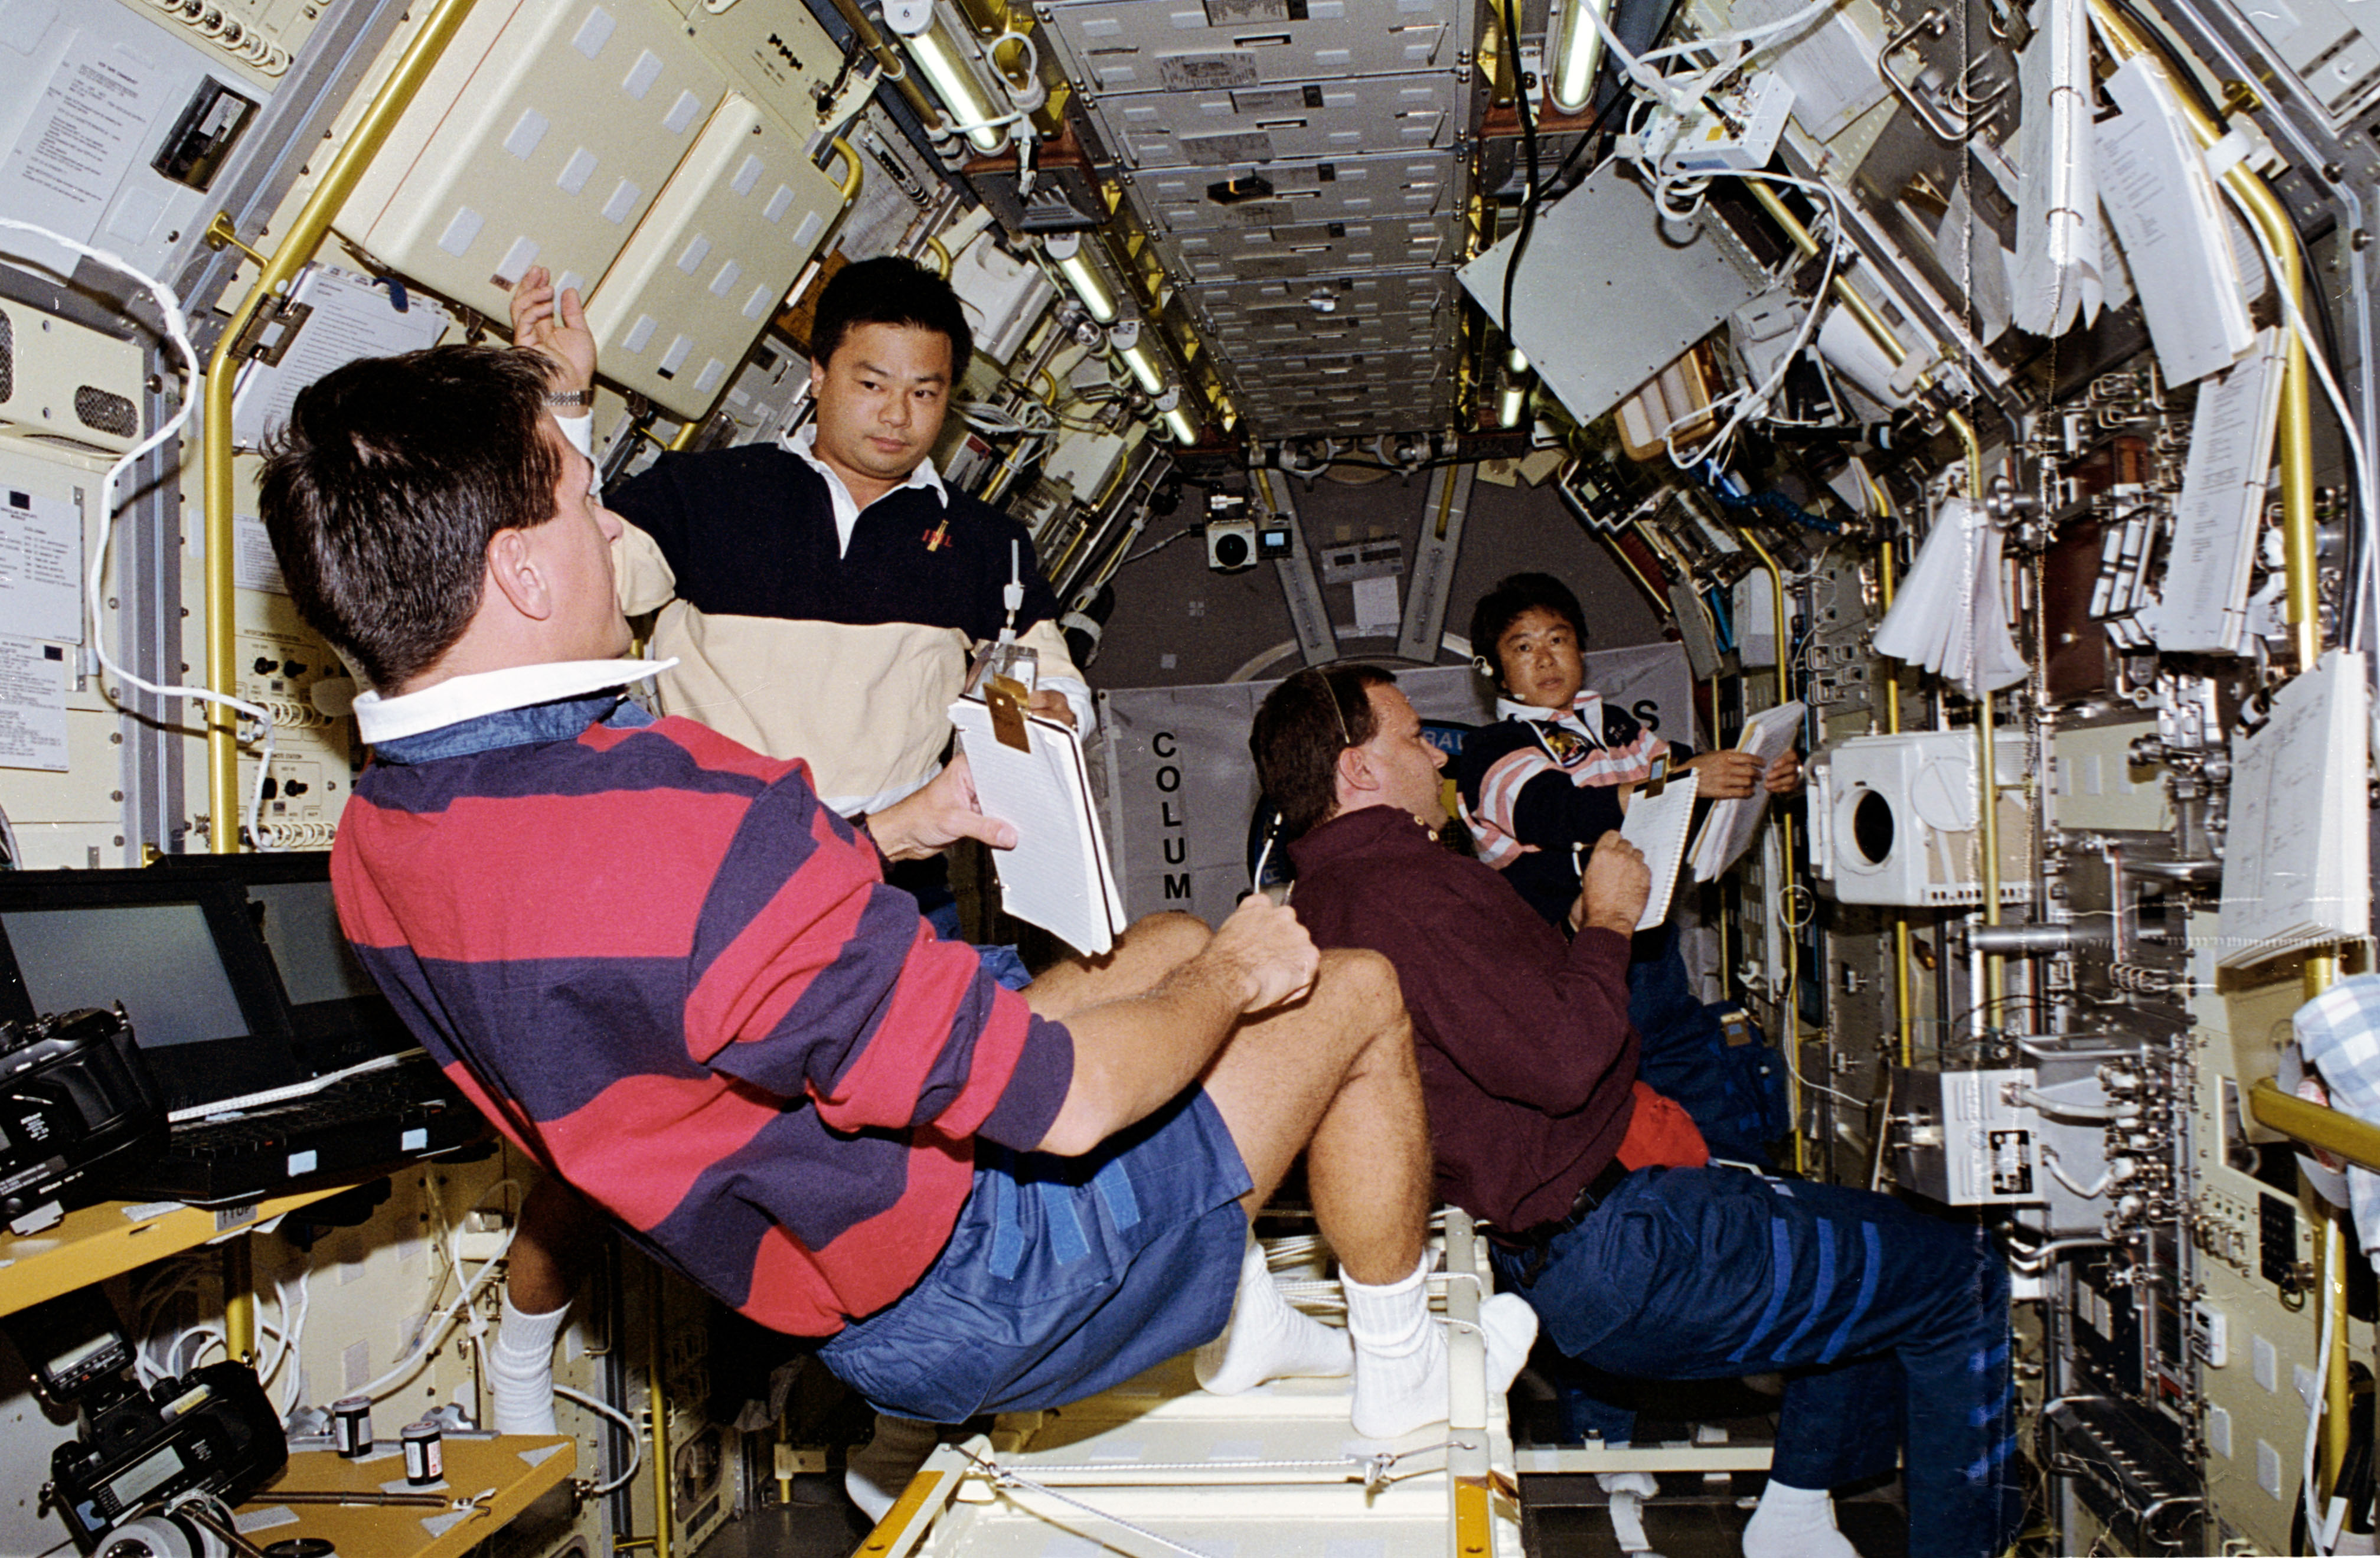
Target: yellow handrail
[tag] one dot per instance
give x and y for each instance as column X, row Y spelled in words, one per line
column 297, row 248
column 2301, row 592
column 1793, row 1002
column 859, row 174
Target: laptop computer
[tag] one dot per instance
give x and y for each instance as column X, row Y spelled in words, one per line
column 283, row 1068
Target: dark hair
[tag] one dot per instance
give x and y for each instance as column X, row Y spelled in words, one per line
column 383, row 490
column 1301, row 729
column 890, row 290
column 1502, row 606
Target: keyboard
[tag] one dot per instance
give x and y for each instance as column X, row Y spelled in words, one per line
column 372, row 1122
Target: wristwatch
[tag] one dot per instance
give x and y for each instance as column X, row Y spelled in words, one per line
column 570, row 400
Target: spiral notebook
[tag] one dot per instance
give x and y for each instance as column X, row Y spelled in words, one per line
column 1658, row 825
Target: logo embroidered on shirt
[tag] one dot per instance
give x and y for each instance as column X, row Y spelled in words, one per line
column 938, row 537
column 1565, row 746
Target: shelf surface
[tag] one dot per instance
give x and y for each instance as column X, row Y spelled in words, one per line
column 99, row 1242
column 504, row 1474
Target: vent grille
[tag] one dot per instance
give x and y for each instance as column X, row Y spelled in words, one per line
column 103, row 412
column 7, row 357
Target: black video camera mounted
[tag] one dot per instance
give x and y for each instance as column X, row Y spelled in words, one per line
column 75, row 1096
column 211, row 1432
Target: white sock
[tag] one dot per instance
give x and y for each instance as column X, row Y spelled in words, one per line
column 1401, row 1383
column 1795, row 1523
column 1267, row 1339
column 875, row 1474
column 1641, row 1483
column 520, row 1369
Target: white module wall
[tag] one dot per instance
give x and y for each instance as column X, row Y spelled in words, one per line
column 60, row 743
column 544, row 136
column 775, row 54
column 89, row 93
column 702, row 273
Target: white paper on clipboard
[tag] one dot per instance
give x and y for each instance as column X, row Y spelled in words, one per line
column 1058, row 876
column 1656, row 824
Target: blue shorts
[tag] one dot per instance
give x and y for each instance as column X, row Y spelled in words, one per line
column 1064, row 1277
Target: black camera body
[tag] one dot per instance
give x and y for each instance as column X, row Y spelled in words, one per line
column 212, row 1431
column 74, row 1097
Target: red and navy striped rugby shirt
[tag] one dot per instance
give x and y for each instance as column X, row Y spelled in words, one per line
column 661, row 967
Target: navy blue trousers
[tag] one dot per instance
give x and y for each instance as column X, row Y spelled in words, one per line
column 1889, row 1326
column 1736, row 1095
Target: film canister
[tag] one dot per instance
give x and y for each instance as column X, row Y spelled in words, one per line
column 351, row 1427
column 425, row 1461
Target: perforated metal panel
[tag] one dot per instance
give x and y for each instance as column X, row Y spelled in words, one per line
column 543, row 137
column 1391, row 405
column 1344, row 116
column 705, row 268
column 1345, row 190
column 1397, row 307
column 1295, row 250
column 1283, row 370
column 1170, row 45
column 1407, row 384
column 64, row 382
column 1607, row 296
column 1302, row 165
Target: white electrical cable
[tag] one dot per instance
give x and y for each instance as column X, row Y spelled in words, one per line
column 2359, row 458
column 293, row 1388
column 177, row 330
column 2061, row 1109
column 434, row 1331
column 2058, row 1172
column 1746, row 35
column 635, row 1442
column 1032, row 70
column 2039, row 1258
column 1749, row 402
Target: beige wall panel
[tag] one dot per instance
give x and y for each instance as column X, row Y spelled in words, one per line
column 543, row 137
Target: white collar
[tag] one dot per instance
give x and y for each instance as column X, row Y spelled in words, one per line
column 804, row 443
column 458, row 699
column 1588, row 702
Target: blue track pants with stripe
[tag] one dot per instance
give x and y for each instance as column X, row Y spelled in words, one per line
column 1882, row 1320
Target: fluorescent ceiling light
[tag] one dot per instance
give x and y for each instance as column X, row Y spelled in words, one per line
column 1578, row 50
column 1125, row 338
column 1066, row 251
column 943, row 60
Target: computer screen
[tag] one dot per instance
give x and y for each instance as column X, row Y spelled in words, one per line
column 159, row 960
column 301, row 926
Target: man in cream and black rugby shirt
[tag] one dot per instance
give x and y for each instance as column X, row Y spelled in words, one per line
column 820, row 599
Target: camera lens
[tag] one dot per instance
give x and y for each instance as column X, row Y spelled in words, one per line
column 1231, row 550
